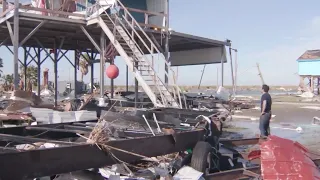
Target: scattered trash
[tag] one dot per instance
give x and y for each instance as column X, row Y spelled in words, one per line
column 307, row 95
column 298, row 129
column 187, row 172
column 315, row 120
column 223, row 93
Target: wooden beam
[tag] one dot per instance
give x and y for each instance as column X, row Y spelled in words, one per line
column 26, row 140
column 6, row 11
column 239, row 142
column 233, row 174
column 52, row 18
column 46, row 162
column 51, row 11
column 80, row 128
column 55, row 130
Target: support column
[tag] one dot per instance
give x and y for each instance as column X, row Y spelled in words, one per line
column 16, row 44
column 55, row 74
column 76, row 62
column 312, row 84
column 236, row 71
column 136, row 88
column 222, row 67
column 301, row 84
column 127, row 79
column 39, row 72
column 112, row 80
column 102, row 62
column 25, row 68
column 166, row 54
column 92, row 71
column 318, row 85
column 309, row 82
column 4, row 5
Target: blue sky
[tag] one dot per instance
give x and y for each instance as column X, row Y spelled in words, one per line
column 273, row 33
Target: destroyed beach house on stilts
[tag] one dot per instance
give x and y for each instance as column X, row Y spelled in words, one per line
column 138, row 31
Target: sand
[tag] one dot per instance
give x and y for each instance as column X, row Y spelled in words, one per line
column 293, row 120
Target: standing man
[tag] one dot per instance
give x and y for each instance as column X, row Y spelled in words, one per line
column 265, row 116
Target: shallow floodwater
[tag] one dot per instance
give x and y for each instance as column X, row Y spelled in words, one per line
column 306, row 134
column 243, row 92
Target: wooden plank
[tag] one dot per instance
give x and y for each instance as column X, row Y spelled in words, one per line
column 80, row 128
column 44, row 162
column 51, row 11
column 6, row 11
column 55, row 130
column 232, row 174
column 239, row 142
column 22, row 139
column 53, row 18
column 21, row 131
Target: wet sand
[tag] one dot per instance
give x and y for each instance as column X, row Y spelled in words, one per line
column 288, row 112
column 293, row 120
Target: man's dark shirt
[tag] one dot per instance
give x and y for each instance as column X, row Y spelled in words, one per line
column 267, row 98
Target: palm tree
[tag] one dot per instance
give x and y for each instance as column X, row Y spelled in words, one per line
column 32, row 75
column 84, row 65
column 8, row 82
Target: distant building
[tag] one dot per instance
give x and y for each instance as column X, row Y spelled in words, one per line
column 62, row 85
column 309, row 67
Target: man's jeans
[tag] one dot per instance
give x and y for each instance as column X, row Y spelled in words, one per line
column 264, row 124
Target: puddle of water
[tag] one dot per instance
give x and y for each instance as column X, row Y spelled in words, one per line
column 306, row 134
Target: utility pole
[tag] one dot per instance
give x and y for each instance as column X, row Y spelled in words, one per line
column 204, row 67
column 260, row 74
column 217, row 77
column 235, row 76
column 231, row 67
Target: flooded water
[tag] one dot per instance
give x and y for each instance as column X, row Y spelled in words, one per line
column 306, row 134
column 243, row 92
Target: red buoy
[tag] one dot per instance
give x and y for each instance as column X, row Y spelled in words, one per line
column 112, row 71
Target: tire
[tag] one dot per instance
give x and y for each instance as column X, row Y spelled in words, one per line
column 199, row 159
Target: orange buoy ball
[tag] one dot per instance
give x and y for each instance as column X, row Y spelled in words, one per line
column 112, row 71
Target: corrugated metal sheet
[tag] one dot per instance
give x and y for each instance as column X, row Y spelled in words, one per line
column 198, row 56
column 156, row 6
column 48, row 116
column 284, row 159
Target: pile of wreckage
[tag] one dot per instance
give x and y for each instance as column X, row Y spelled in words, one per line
column 144, row 144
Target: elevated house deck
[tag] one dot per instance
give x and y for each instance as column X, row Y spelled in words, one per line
column 138, row 32
column 308, row 68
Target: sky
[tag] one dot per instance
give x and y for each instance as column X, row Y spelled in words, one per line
column 272, row 33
